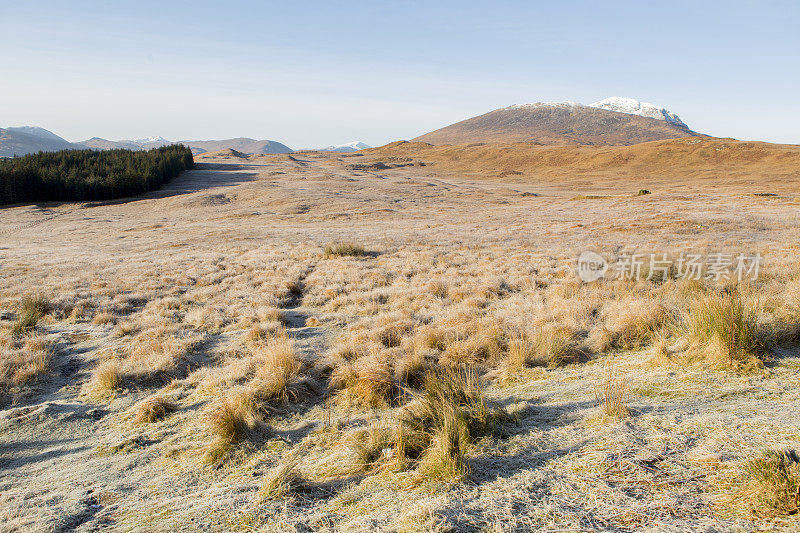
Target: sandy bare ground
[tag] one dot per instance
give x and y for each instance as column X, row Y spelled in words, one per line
column 224, row 238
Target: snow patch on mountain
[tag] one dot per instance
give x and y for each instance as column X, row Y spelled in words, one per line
column 348, row 147
column 149, row 140
column 565, row 105
column 633, row 106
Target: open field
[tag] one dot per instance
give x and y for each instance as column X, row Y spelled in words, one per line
column 398, row 341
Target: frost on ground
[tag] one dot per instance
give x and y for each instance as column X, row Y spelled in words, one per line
column 294, row 343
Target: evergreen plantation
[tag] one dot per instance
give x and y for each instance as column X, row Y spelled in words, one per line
column 89, row 174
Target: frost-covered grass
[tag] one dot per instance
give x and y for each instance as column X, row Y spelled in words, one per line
column 457, row 377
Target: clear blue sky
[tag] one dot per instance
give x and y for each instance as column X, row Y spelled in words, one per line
column 316, row 73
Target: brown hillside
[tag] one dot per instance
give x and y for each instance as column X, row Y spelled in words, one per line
column 227, row 153
column 556, row 125
column 681, row 161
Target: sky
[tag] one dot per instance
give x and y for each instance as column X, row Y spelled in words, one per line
column 310, row 74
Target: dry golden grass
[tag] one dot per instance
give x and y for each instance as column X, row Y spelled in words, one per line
column 103, row 318
column 772, row 486
column 153, row 409
column 550, row 346
column 23, row 364
column 344, row 249
column 373, row 448
column 275, row 368
column 437, row 428
column 366, row 382
column 630, row 324
column 31, row 310
column 106, row 379
column 411, row 367
column 724, row 331
column 232, row 420
column 653, row 164
column 212, row 313
column 611, row 394
column 282, row 480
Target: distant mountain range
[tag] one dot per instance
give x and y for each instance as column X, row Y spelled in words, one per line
column 240, row 144
column 613, row 121
column 30, row 139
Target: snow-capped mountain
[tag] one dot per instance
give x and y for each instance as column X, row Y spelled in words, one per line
column 152, row 140
column 633, row 106
column 613, row 121
column 354, row 146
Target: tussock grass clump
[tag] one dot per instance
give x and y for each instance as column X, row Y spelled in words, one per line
column 412, row 366
column 612, row 394
column 232, row 420
column 209, row 319
column 438, row 288
column 786, row 312
column 282, row 480
column 268, row 368
column 630, row 325
column 553, row 347
column 548, row 347
column 261, row 332
column 154, row 409
column 373, row 447
column 444, row 460
column 31, row 310
column 272, row 315
column 104, row 317
column 724, row 330
column 23, row 365
column 438, row 427
column 430, row 338
column 105, row 381
column 344, row 249
column 391, row 336
column 772, row 488
column 277, row 366
column 32, row 361
column 519, row 349
column 367, row 382
column 481, row 342
column 158, row 355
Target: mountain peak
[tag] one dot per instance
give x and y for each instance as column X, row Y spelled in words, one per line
column 614, row 121
column 156, row 139
column 347, row 147
column 633, row 106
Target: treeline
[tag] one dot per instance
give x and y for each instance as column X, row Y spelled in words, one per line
column 89, row 174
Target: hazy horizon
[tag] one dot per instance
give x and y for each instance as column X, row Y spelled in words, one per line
column 388, row 72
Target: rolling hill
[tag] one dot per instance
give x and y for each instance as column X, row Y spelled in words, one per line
column 674, row 162
column 239, row 144
column 565, row 123
column 27, row 139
